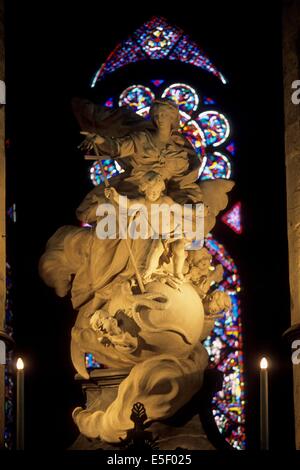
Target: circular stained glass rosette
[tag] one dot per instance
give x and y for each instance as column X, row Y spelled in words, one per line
column 215, row 127
column 183, row 95
column 191, row 130
column 217, row 166
column 111, row 168
column 137, row 97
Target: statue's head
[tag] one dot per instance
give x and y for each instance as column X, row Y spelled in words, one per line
column 200, row 258
column 165, row 112
column 102, row 322
column 217, row 302
column 152, row 185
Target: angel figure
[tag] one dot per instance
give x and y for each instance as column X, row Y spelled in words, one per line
column 165, row 235
column 215, row 305
column 200, row 272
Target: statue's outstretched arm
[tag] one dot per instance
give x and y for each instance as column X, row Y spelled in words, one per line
column 113, row 147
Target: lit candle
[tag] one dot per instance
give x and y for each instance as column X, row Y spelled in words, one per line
column 264, row 405
column 20, row 404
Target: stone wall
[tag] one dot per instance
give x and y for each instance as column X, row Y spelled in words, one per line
column 2, row 220
column 291, row 71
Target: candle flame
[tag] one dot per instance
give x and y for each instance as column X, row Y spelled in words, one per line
column 20, row 364
column 264, row 363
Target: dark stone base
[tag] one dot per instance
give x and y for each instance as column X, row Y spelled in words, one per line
column 191, row 436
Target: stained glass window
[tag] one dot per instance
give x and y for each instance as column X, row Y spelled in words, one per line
column 184, row 96
column 224, row 346
column 208, row 100
column 96, row 173
column 125, row 53
column 9, row 430
column 90, row 362
column 231, row 148
column 144, row 112
column 137, row 97
column 156, row 39
column 9, row 403
column 188, row 51
column 109, row 103
column 12, row 213
column 217, row 166
column 215, row 126
column 111, row 168
column 193, row 133
column 232, row 218
column 157, row 82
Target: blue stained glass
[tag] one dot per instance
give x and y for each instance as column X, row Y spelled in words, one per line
column 188, row 51
column 217, row 166
column 9, row 374
column 156, row 39
column 215, row 127
column 157, row 83
column 110, row 167
column 183, row 95
column 232, row 218
column 109, row 103
column 125, row 53
column 137, row 97
column 193, row 133
column 208, row 100
column 90, row 362
column 224, row 347
column 231, row 148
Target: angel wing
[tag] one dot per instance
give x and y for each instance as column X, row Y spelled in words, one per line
column 215, row 198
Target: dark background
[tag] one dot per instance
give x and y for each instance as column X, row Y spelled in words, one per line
column 52, row 53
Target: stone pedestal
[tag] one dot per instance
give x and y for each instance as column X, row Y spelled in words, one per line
column 184, row 430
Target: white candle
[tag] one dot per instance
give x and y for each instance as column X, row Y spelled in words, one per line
column 264, row 405
column 20, row 404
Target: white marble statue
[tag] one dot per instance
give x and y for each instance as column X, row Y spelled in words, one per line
column 143, row 304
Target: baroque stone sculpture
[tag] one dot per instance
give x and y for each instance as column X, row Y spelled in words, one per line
column 144, row 304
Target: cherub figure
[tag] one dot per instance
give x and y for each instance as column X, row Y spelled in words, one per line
column 198, row 263
column 200, row 271
column 152, row 187
column 215, row 305
column 110, row 334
